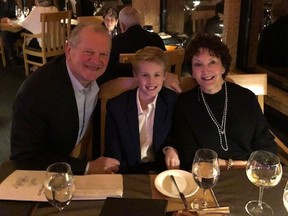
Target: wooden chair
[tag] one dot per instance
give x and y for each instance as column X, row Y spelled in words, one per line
column 175, row 59
column 126, row 58
column 257, row 83
column 56, row 29
column 2, row 52
column 109, row 90
column 90, row 19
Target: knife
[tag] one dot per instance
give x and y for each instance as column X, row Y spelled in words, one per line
column 184, row 201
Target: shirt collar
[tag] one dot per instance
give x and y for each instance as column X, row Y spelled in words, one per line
column 77, row 86
column 152, row 104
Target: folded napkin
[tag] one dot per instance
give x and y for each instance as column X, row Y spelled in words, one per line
column 98, row 186
column 27, row 185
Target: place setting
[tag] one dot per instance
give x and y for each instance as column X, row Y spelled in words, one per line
column 190, row 193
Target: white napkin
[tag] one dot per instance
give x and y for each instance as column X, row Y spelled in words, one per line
column 98, row 186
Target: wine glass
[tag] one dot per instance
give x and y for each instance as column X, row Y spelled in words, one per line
column 285, row 196
column 265, row 171
column 59, row 185
column 205, row 171
column 18, row 12
column 26, row 11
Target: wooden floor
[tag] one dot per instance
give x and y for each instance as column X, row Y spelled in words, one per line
column 12, row 77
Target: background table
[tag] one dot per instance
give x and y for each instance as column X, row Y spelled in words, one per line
column 12, row 26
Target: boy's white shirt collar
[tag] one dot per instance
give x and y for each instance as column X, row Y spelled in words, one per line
column 140, row 110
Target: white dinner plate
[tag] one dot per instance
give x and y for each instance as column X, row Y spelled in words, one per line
column 185, row 182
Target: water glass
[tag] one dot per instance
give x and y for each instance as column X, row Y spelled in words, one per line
column 59, row 185
column 285, row 197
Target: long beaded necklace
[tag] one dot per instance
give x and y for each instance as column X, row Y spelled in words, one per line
column 221, row 128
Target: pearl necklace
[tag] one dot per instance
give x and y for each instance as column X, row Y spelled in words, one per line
column 221, row 128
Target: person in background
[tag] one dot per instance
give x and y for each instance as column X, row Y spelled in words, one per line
column 53, row 111
column 110, row 20
column 33, row 25
column 273, row 40
column 7, row 12
column 216, row 114
column 132, row 38
column 214, row 25
column 32, row 21
column 146, row 113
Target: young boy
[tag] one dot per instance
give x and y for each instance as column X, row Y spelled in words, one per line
column 138, row 121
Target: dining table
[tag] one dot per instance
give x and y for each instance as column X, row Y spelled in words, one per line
column 14, row 25
column 233, row 189
column 11, row 26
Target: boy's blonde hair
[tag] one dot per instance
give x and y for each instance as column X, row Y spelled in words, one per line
column 150, row 54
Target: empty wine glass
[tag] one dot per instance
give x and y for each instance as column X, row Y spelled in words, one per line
column 265, row 171
column 26, row 11
column 59, row 185
column 205, row 171
column 285, row 196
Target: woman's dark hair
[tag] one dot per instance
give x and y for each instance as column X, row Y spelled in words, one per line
column 215, row 46
column 111, row 11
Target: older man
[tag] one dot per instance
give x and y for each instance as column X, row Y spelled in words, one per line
column 54, row 105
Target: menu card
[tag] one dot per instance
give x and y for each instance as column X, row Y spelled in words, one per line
column 27, row 185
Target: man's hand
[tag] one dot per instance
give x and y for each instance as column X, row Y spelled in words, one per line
column 171, row 158
column 172, row 82
column 103, row 165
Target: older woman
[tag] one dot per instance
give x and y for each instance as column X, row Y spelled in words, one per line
column 217, row 114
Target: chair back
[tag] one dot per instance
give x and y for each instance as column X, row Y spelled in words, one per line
column 109, row 90
column 175, row 59
column 126, row 58
column 55, row 30
column 90, row 19
column 257, row 83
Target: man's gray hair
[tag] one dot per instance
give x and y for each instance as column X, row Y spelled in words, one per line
column 75, row 38
column 130, row 16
